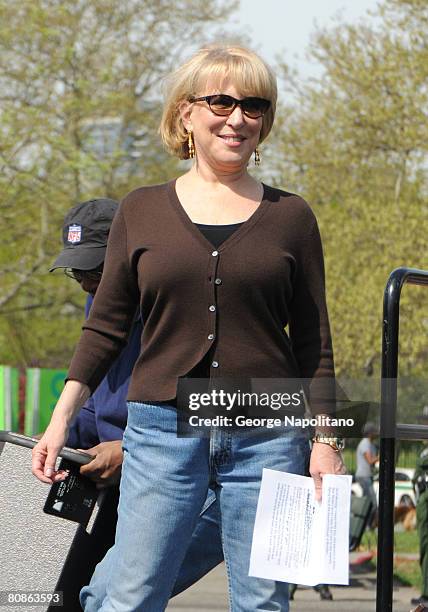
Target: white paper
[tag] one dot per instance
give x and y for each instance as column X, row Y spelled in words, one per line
column 297, row 539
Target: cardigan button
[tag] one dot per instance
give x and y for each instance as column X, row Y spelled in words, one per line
column 214, row 253
column 210, row 336
column 218, row 281
column 212, row 308
column 215, row 364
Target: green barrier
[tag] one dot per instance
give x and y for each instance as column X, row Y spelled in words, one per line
column 9, row 404
column 42, row 390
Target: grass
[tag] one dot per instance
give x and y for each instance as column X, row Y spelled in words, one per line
column 404, row 541
column 407, row 571
column 406, row 459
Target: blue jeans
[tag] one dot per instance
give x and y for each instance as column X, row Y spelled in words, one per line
column 166, row 481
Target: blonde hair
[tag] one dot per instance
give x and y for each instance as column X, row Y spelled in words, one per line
column 245, row 69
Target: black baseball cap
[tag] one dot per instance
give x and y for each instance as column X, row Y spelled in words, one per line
column 84, row 234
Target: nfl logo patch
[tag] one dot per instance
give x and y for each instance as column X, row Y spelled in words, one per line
column 74, row 233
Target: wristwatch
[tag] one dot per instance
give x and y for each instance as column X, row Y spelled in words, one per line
column 337, row 444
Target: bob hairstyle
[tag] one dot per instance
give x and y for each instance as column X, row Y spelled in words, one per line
column 245, row 69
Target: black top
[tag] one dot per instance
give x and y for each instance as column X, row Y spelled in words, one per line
column 217, row 234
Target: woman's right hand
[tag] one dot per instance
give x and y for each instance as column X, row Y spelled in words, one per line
column 46, row 451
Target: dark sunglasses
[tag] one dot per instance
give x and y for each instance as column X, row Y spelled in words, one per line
column 79, row 275
column 223, row 105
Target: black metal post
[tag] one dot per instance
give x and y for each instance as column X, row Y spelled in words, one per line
column 391, row 316
column 387, row 443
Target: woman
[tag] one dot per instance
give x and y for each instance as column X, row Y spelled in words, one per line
column 219, row 264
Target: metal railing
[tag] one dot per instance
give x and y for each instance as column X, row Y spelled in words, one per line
column 390, row 430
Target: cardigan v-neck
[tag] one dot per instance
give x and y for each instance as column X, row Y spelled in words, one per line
column 190, row 225
column 232, row 302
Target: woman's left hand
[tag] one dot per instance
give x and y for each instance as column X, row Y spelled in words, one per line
column 324, row 460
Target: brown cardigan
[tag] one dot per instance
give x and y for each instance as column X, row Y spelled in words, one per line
column 236, row 299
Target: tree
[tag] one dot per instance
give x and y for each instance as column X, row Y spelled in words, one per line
column 367, row 113
column 355, row 145
column 80, row 102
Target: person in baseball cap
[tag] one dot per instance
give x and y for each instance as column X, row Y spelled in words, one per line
column 84, row 234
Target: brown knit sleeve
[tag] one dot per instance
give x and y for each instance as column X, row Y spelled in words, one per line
column 308, row 324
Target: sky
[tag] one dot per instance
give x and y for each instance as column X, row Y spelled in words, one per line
column 284, row 26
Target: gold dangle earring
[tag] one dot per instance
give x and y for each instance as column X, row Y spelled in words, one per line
column 190, row 145
column 257, row 158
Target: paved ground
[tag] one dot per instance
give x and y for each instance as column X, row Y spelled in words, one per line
column 210, row 594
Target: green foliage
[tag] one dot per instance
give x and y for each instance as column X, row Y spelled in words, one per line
column 80, row 107
column 355, row 145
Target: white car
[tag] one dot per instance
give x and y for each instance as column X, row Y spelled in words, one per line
column 404, row 494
